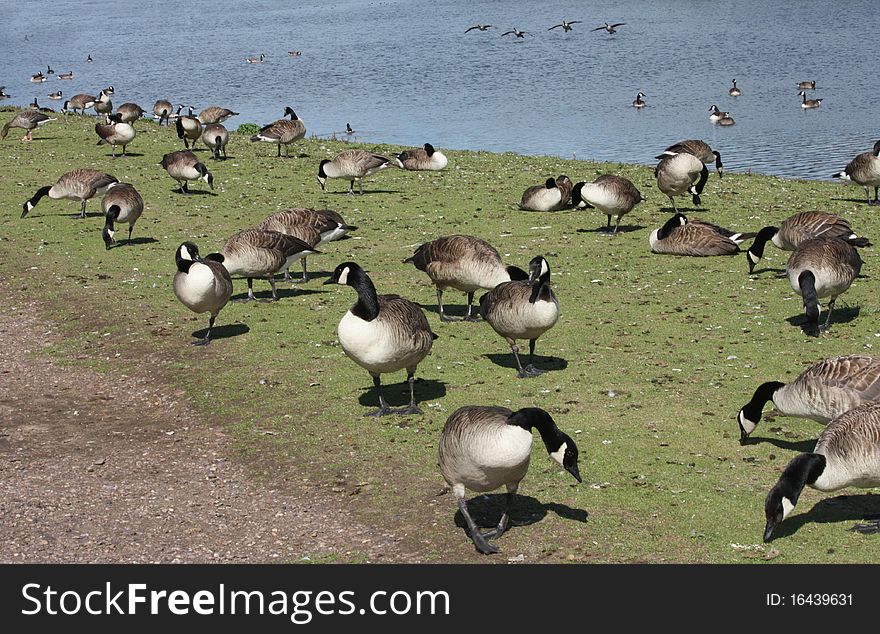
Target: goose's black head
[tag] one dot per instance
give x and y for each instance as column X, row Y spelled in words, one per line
column 678, row 220
column 750, row 414
column 550, row 183
column 186, row 254
column 559, row 445
column 347, row 274
column 322, row 175
column 538, row 268
column 576, row 198
column 802, row 470
column 877, row 148
column 288, row 111
column 429, row 149
column 107, row 233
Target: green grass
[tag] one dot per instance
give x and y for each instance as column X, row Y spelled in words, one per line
column 683, row 342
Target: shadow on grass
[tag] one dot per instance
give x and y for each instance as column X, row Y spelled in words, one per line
column 843, row 200
column 453, row 310
column 681, row 210
column 194, row 192
column 134, row 241
column 839, row 316
column 366, row 191
column 841, row 508
column 123, row 156
column 486, row 511
column 283, row 292
column 542, row 363
column 603, row 230
column 223, row 332
column 780, row 273
column 397, row 394
column 800, row 446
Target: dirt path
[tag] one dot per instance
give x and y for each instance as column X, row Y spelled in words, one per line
column 102, row 468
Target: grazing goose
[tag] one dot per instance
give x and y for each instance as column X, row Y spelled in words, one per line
column 821, row 393
column 80, row 184
column 612, row 195
column 201, row 284
column 215, row 136
column 566, row 26
column 676, row 176
column 483, row 448
column 215, row 114
column 189, row 128
column 734, row 92
column 864, row 170
column 185, row 166
column 326, row 222
column 114, row 133
column 700, row 149
column 67, row 76
column 551, row 196
column 122, row 203
column 807, row 85
column 809, row 103
column 352, row 165
column 281, row 222
column 422, row 159
column 823, row 267
column 162, row 110
column 102, row 104
column 795, row 229
column 479, row 27
column 693, row 237
column 382, row 334
column 515, row 31
column 78, row 102
column 39, row 78
column 255, row 60
column 847, row 453
column 523, row 310
column 282, row 132
column 129, row 112
column 611, row 28
column 257, row 253
column 28, row 120
column 55, row 96
column 639, row 102
column 464, row 263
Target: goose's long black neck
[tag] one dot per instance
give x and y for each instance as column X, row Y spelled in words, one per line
column 807, row 283
column 548, row 430
column 764, row 235
column 802, row 470
column 182, row 263
column 367, row 306
column 540, row 288
column 763, row 394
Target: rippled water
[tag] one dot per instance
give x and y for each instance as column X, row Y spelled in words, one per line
column 404, row 72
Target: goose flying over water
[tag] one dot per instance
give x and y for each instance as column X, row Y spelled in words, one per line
column 566, row 26
column 516, row 32
column 611, row 28
column 480, row 27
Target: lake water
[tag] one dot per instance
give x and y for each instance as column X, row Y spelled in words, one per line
column 404, row 72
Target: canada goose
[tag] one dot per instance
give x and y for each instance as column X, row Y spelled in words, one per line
column 185, row 166
column 700, row 149
column 80, row 184
column 566, row 26
column 255, row 60
column 551, row 196
column 162, row 110
column 352, row 165
column 823, row 267
column 294, row 53
column 382, row 334
column 734, row 92
column 102, row 104
column 422, row 159
column 189, row 128
column 612, row 195
column 129, row 112
column 258, row 253
column 55, row 96
column 282, row 132
column 28, row 120
column 847, row 453
column 693, row 237
column 864, row 170
column 483, row 448
column 821, row 393
column 89, row 59
column 726, row 119
column 639, row 102
column 348, row 129
column 35, row 106
column 281, row 222
column 109, row 90
column 464, row 263
column 807, row 85
column 717, row 114
column 215, row 114
column 515, row 31
column 215, row 136
column 327, row 222
column 78, row 102
column 681, row 174
column 611, row 28
column 795, row 229
column 479, row 27
column 49, row 70
column 3, row 94
column 201, row 284
column 114, row 133
column 122, row 203
column 66, row 75
column 523, row 310
column 809, row 103
column 38, row 78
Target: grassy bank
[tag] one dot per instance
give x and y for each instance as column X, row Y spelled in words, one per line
column 680, row 343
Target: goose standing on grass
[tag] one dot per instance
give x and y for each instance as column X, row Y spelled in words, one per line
column 382, row 334
column 864, row 170
column 551, row 196
column 483, row 448
column 352, row 165
column 115, row 132
column 80, row 184
column 282, row 132
column 796, row 229
column 639, row 101
column 734, row 91
column 162, row 110
column 823, row 267
column 809, row 103
column 215, row 114
column 698, row 148
column 257, row 253
column 464, row 263
column 422, row 159
column 612, row 195
column 681, row 174
column 327, row 222
column 523, row 310
column 846, row 454
column 129, row 112
column 28, row 120
column 821, row 393
column 201, row 284
column 103, row 104
column 185, row 166
column 282, row 223
column 215, row 136
column 693, row 237
column 807, row 85
column 121, row 204
column 78, row 102
column 189, row 129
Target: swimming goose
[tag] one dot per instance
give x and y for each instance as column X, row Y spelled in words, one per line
column 523, row 310
column 215, row 114
column 49, row 70
column 847, row 453
column 38, row 78
column 282, row 132
column 326, row 222
column 698, row 148
column 216, row 136
column 734, row 92
column 28, row 120
column 80, row 184
column 255, row 60
column 201, row 284
column 551, row 196
column 162, row 110
column 823, row 267
column 114, row 133
column 480, row 27
column 807, row 85
column 349, row 129
column 35, row 106
column 382, row 333
column 189, row 128
column 483, row 448
column 464, row 263
column 352, row 165
column 809, row 103
column 864, row 170
column 129, row 112
column 122, row 203
column 185, row 166
column 795, row 229
column 681, row 174
column 566, row 26
column 693, row 237
column 821, row 393
column 726, row 119
column 611, row 28
column 89, row 59
column 515, row 31
column 612, row 195
column 66, row 75
column 55, row 96
column 717, row 114
column 422, row 159
column 3, row 94
column 638, row 102
column 78, row 102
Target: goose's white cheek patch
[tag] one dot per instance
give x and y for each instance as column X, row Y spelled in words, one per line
column 559, row 454
column 787, row 507
column 343, row 277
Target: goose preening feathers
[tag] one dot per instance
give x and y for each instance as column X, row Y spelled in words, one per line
column 681, row 174
column 79, row 184
column 796, row 229
column 201, row 284
column 698, row 148
column 28, row 120
column 693, row 237
column 189, row 128
column 185, row 166
column 282, row 132
column 612, row 195
column 422, row 159
column 352, row 165
column 864, row 170
column 553, row 195
column 122, row 203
